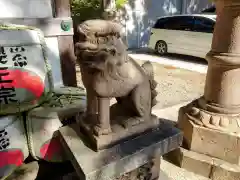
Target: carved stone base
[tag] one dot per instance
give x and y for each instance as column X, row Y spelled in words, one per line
column 204, row 165
column 122, row 158
column 200, row 113
column 144, row 172
column 119, row 133
column 206, row 133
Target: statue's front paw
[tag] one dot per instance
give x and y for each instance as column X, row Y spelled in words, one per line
column 98, row 131
column 133, row 121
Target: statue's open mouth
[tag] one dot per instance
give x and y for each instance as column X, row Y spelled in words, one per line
column 83, row 46
column 93, row 65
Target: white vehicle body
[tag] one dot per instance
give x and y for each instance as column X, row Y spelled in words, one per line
column 183, row 34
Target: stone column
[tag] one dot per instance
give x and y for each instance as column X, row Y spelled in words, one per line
column 211, row 124
column 221, row 100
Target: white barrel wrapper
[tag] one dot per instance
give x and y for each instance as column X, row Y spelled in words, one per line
column 13, row 144
column 25, row 73
column 43, row 123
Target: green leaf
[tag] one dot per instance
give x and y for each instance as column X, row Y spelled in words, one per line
column 120, row 3
column 85, row 9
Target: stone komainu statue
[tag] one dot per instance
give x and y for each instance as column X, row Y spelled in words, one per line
column 108, row 72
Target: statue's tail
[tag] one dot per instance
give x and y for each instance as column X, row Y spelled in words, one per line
column 148, row 68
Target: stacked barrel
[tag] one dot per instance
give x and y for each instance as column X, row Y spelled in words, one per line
column 31, row 108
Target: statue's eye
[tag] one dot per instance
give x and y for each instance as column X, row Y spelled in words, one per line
column 113, row 52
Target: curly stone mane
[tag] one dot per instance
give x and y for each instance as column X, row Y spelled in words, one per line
column 100, row 38
column 94, row 35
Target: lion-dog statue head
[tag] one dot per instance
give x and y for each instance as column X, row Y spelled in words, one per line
column 100, row 45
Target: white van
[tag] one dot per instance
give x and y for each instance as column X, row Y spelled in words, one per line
column 183, row 34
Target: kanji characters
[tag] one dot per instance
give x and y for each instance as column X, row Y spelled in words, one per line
column 7, row 94
column 4, row 140
column 3, row 56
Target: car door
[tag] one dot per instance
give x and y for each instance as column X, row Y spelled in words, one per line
column 162, row 31
column 181, row 27
column 158, row 33
column 203, row 34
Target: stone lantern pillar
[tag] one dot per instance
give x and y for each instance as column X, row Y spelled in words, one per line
column 211, row 124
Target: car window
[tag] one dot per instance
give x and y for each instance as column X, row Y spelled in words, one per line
column 203, row 24
column 160, row 23
column 182, row 23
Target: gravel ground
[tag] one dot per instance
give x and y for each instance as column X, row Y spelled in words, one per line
column 175, row 85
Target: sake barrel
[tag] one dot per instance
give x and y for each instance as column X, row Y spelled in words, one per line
column 43, row 123
column 13, row 144
column 25, row 73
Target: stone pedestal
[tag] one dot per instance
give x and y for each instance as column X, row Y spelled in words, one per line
column 137, row 158
column 211, row 124
column 118, row 134
column 211, row 153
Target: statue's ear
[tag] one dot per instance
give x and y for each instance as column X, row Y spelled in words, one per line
column 80, row 34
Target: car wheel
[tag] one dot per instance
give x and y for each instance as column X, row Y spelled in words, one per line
column 161, row 47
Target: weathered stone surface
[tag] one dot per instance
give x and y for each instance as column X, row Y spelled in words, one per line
column 191, row 161
column 225, row 171
column 120, row 159
column 128, row 176
column 119, row 133
column 143, row 172
column 204, row 165
column 219, row 144
column 211, row 123
column 102, row 51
